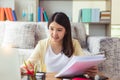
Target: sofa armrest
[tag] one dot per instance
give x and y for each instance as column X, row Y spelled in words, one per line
column 111, row 66
column 93, row 43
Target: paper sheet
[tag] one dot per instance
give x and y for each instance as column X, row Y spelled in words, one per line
column 78, row 64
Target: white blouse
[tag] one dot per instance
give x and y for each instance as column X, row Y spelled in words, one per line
column 55, row 62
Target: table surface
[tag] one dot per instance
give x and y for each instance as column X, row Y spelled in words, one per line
column 50, row 76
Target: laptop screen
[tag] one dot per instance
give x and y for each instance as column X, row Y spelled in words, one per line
column 9, row 65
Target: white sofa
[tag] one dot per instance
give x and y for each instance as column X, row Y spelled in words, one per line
column 24, row 36
column 21, row 36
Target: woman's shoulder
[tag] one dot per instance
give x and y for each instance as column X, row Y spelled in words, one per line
column 43, row 41
column 75, row 41
column 77, row 47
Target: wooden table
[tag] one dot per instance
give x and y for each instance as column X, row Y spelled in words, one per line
column 50, row 76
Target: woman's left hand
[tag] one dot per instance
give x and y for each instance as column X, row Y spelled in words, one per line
column 92, row 71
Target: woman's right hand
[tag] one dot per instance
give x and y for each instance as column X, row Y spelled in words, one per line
column 27, row 70
column 23, row 70
column 92, row 71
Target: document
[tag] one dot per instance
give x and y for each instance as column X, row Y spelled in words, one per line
column 78, row 64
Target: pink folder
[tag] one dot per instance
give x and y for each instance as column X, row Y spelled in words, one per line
column 80, row 79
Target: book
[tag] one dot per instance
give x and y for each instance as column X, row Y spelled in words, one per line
column 105, row 12
column 79, row 64
column 95, row 15
column 14, row 15
column 39, row 14
column 2, row 14
column 86, row 14
column 80, row 79
column 8, row 13
column 45, row 16
column 9, row 10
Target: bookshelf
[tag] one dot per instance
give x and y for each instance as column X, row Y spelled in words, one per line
column 52, row 6
column 94, row 28
column 7, row 10
column 99, row 28
column 29, row 6
column 72, row 7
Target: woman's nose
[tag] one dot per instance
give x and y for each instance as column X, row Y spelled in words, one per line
column 54, row 32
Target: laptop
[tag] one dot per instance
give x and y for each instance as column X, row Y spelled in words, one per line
column 9, row 65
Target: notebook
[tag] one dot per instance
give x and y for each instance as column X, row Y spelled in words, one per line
column 79, row 64
column 9, row 65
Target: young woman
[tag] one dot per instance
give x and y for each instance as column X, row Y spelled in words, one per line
column 56, row 51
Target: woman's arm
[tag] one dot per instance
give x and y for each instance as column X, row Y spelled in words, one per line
column 35, row 56
column 92, row 71
column 32, row 60
column 77, row 48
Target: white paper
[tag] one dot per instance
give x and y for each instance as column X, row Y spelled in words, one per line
column 78, row 64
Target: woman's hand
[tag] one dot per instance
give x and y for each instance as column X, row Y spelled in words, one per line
column 23, row 70
column 28, row 68
column 92, row 71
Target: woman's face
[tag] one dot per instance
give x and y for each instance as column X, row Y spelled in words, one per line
column 57, row 32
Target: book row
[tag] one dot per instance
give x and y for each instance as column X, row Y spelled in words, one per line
column 7, row 14
column 42, row 14
column 93, row 15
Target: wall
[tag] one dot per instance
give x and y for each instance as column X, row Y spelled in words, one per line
column 115, row 12
column 7, row 3
column 115, row 21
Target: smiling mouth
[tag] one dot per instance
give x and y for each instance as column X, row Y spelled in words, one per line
column 55, row 38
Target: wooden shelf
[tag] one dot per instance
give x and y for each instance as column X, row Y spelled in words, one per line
column 98, row 22
column 94, row 0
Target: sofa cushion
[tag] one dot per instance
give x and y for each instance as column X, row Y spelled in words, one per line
column 19, row 34
column 41, row 31
column 94, row 43
column 79, row 33
column 111, row 66
column 2, row 31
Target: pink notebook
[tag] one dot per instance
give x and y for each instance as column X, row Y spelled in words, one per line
column 80, row 79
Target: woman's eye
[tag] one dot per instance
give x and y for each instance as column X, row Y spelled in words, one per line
column 59, row 30
column 51, row 28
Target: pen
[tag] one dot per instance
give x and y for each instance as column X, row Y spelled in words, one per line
column 103, row 78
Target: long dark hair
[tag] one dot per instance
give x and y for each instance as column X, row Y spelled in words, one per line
column 62, row 19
